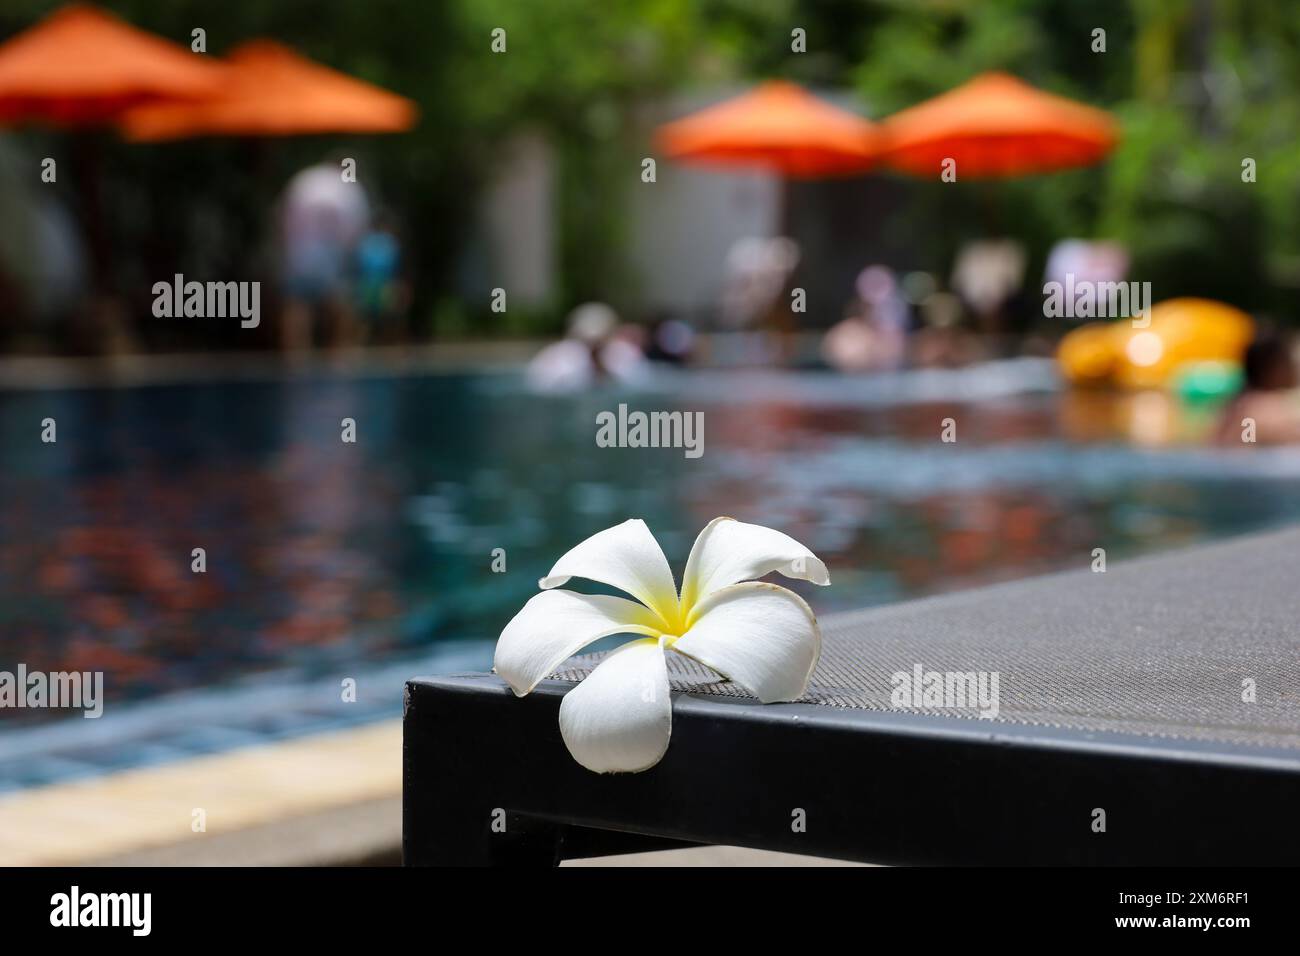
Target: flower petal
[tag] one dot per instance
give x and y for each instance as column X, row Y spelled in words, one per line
column 627, row 557
column 555, row 625
column 620, row 718
column 762, row 636
column 728, row 551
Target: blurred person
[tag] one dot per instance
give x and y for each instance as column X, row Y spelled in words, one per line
column 873, row 334
column 1268, row 395
column 322, row 218
column 916, row 287
column 942, row 342
column 1070, row 264
column 849, row 345
column 987, row 274
column 891, row 316
column 671, row 341
column 1086, row 261
column 595, row 348
column 382, row 296
column 756, row 290
column 622, row 358
column 45, row 270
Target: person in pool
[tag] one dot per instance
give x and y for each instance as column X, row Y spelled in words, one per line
column 1268, row 406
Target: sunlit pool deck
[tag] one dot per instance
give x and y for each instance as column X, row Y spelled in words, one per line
column 325, row 799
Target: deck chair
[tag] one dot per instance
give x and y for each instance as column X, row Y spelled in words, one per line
column 1148, row 714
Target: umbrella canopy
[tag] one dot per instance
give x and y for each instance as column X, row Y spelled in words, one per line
column 276, row 92
column 777, row 126
column 80, row 66
column 997, row 126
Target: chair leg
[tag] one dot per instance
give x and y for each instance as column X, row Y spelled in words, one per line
column 455, row 834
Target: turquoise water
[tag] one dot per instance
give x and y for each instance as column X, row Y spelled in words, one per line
column 328, row 559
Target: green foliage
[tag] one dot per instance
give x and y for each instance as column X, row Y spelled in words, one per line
column 1197, row 84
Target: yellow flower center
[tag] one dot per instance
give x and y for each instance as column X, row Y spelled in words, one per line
column 676, row 620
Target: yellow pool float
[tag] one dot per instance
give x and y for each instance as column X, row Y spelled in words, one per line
column 1180, row 332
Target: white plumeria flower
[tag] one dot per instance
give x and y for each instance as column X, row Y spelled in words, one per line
column 763, row 637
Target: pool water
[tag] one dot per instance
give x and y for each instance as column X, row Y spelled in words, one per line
column 328, row 559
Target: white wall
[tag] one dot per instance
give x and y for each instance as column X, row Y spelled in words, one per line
column 684, row 224
column 519, row 227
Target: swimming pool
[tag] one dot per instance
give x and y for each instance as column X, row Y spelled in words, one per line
column 374, row 560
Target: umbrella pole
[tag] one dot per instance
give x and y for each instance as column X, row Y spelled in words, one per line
column 992, row 210
column 995, row 323
column 785, row 207
column 787, row 327
column 88, row 149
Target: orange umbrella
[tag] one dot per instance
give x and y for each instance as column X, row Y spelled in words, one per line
column 997, row 126
column 778, row 126
column 276, row 92
column 81, row 66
